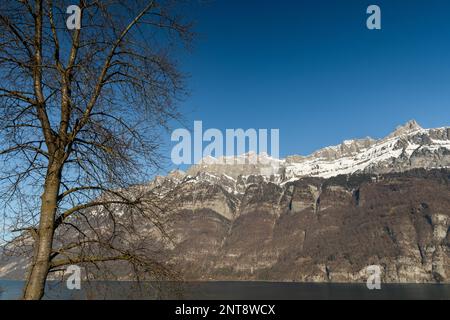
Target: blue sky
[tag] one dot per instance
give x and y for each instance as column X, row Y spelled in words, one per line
column 312, row 69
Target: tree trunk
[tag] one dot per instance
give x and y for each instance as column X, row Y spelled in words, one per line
column 34, row 288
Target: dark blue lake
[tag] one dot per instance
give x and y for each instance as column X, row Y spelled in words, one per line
column 231, row 291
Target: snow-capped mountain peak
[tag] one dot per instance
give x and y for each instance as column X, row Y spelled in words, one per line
column 410, row 127
column 408, row 147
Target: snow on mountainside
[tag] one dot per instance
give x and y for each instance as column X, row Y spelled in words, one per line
column 408, row 147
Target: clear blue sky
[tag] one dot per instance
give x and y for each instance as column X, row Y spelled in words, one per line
column 313, row 70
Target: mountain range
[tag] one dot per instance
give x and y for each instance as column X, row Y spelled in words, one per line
column 408, row 147
column 325, row 217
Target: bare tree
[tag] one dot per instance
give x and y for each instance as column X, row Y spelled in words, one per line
column 81, row 114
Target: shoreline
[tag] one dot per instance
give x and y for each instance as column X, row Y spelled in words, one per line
column 241, row 281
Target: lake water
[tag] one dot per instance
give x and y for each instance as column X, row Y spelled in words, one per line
column 231, row 291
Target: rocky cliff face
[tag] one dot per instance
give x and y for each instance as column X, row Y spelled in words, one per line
column 317, row 229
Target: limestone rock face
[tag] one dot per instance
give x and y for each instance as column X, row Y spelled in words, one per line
column 318, row 229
